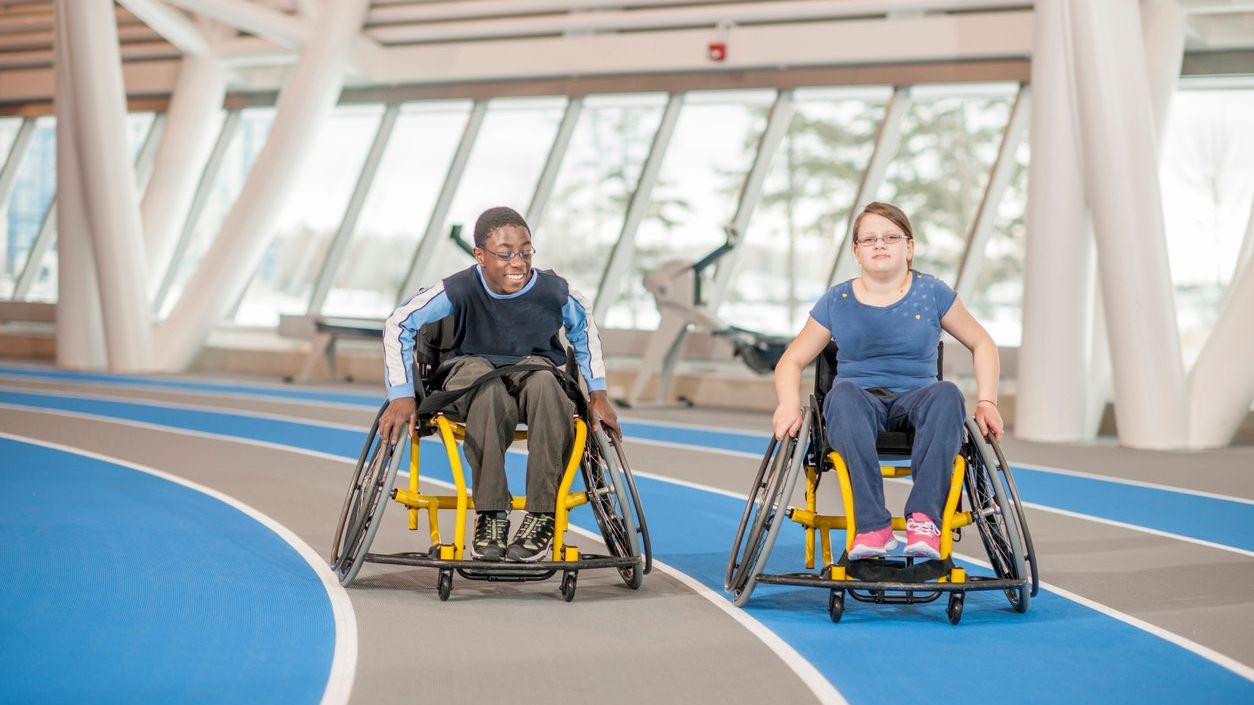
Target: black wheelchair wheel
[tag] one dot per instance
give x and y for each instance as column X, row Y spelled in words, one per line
column 954, row 609
column 836, row 605
column 569, row 580
column 1029, row 551
column 995, row 517
column 615, row 506
column 368, row 494
column 763, row 515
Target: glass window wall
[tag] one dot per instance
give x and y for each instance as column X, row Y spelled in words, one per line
column 368, row 280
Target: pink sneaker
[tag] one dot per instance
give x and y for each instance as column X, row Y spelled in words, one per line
column 871, row 544
column 922, row 537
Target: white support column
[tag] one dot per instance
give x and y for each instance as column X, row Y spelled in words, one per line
column 1163, row 28
column 1051, row 403
column 230, row 125
column 1121, row 177
column 1247, row 246
column 302, row 108
column 80, row 329
column 998, row 180
column 433, row 237
column 348, row 224
column 1221, row 385
column 624, row 250
column 553, row 163
column 887, row 140
column 108, row 182
column 751, row 193
column 147, row 155
column 184, row 148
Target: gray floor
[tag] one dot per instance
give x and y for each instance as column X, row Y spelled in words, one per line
column 690, row 649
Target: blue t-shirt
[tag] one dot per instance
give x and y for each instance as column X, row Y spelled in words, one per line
column 893, row 347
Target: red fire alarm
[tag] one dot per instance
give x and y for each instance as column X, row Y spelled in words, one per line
column 716, row 51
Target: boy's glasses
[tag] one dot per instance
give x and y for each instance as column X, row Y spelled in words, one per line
column 509, row 256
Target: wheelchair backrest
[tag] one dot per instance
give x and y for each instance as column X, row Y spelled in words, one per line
column 825, row 368
column 432, row 346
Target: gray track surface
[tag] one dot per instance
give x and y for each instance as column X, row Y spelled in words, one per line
column 520, row 642
column 663, row 643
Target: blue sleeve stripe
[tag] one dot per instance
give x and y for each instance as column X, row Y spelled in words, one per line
column 402, row 326
column 582, row 332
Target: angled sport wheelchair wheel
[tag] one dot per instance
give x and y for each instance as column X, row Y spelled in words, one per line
column 997, row 518
column 367, row 497
column 616, row 506
column 764, row 511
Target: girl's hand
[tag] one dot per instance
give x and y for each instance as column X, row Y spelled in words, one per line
column 787, row 421
column 988, row 418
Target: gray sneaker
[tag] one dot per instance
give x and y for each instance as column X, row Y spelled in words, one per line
column 491, row 528
column 532, row 540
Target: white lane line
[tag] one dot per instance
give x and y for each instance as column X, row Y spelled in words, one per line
column 1050, row 469
column 822, row 689
column 182, row 406
column 157, row 384
column 653, row 476
column 344, row 656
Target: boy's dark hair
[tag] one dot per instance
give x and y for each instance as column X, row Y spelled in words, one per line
column 494, row 218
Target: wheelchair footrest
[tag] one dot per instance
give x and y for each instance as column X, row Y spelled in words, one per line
column 502, row 569
column 819, row 580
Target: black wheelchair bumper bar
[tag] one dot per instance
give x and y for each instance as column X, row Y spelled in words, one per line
column 972, row 583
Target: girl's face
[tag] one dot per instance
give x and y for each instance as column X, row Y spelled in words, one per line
column 881, row 247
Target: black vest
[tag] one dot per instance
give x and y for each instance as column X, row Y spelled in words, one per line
column 506, row 330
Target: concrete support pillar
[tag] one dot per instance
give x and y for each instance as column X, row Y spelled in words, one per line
column 1162, row 27
column 1221, row 385
column 185, row 145
column 303, row 106
column 1052, row 405
column 1121, row 178
column 80, row 329
column 108, row 182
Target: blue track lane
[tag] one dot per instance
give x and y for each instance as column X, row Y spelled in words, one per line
column 117, row 585
column 1189, row 515
column 1058, row 652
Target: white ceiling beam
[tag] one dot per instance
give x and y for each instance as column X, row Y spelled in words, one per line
column 156, row 77
column 667, row 18
column 176, row 27
column 144, row 51
column 993, row 35
column 467, row 9
column 1222, row 32
column 265, row 22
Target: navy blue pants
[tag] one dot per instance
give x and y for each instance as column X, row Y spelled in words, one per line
column 854, row 417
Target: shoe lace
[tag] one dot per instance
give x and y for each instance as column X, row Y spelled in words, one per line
column 491, row 529
column 926, row 528
column 532, row 526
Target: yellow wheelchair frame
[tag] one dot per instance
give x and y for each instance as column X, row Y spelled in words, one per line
column 995, row 510
column 611, row 492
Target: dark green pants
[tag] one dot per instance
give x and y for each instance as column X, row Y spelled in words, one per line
column 494, row 411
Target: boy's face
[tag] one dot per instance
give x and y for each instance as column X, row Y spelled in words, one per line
column 506, row 277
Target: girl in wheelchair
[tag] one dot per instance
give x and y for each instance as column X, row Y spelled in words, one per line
column 886, row 324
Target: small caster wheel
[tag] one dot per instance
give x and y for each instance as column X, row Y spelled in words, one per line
column 568, row 585
column 836, row 605
column 954, row 610
column 445, row 585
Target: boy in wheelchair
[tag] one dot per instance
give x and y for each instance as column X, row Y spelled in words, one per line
column 504, row 313
column 887, row 325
